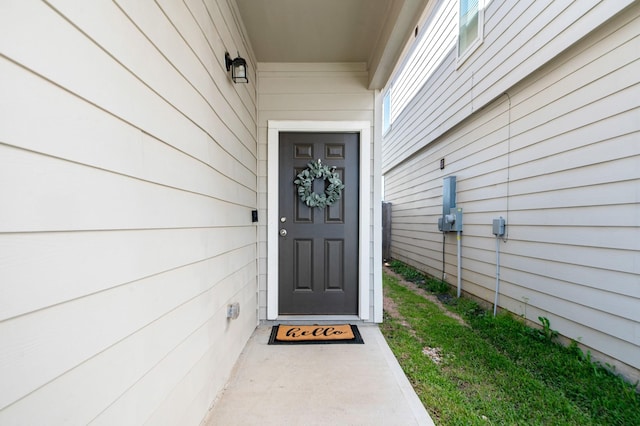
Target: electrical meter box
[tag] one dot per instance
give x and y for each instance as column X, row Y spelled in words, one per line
column 498, row 227
column 445, row 223
column 454, row 219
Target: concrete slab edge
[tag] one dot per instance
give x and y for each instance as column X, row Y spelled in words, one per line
column 420, row 413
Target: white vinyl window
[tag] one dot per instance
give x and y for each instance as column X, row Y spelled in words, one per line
column 470, row 27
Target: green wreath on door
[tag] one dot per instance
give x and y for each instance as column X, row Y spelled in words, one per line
column 317, row 170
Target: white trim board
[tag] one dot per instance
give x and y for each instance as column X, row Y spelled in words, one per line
column 274, row 129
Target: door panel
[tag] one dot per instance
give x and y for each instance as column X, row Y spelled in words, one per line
column 318, row 256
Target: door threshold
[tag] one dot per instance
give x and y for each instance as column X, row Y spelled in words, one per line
column 315, row 319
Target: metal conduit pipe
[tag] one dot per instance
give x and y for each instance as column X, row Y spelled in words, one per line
column 495, row 302
column 459, row 271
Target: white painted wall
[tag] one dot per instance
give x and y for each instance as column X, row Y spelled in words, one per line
column 558, row 157
column 326, row 92
column 128, row 172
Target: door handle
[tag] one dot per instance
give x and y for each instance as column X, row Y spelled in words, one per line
column 283, row 232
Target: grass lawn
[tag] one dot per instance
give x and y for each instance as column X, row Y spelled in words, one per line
column 471, row 368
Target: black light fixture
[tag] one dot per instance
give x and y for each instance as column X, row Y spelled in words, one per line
column 238, row 68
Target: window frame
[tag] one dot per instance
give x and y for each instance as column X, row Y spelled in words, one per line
column 471, row 48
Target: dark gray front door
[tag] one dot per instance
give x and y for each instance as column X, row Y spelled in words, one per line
column 318, row 256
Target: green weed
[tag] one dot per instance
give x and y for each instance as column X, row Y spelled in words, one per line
column 422, row 280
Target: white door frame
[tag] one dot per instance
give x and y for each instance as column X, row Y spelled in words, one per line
column 273, row 147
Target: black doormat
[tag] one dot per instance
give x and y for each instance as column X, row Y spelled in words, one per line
column 314, row 334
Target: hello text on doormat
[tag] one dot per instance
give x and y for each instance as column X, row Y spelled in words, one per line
column 310, row 334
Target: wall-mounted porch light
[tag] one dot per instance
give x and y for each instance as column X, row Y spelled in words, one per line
column 238, row 68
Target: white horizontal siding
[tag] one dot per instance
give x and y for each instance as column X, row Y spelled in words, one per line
column 315, row 92
column 139, row 254
column 179, row 310
column 519, row 38
column 559, row 159
column 429, row 52
column 77, row 197
column 115, row 145
column 128, row 171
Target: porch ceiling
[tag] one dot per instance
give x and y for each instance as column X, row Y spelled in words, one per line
column 369, row 31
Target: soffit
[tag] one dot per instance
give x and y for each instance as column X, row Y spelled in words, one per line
column 367, row 31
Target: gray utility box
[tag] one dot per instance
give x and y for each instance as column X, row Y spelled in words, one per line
column 451, row 220
column 498, row 227
column 448, row 194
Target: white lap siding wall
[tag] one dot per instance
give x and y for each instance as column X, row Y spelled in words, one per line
column 558, row 156
column 127, row 178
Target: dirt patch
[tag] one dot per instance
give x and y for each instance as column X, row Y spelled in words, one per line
column 421, row 292
column 391, row 308
column 434, row 354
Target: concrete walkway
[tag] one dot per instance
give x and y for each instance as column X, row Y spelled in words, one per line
column 341, row 384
